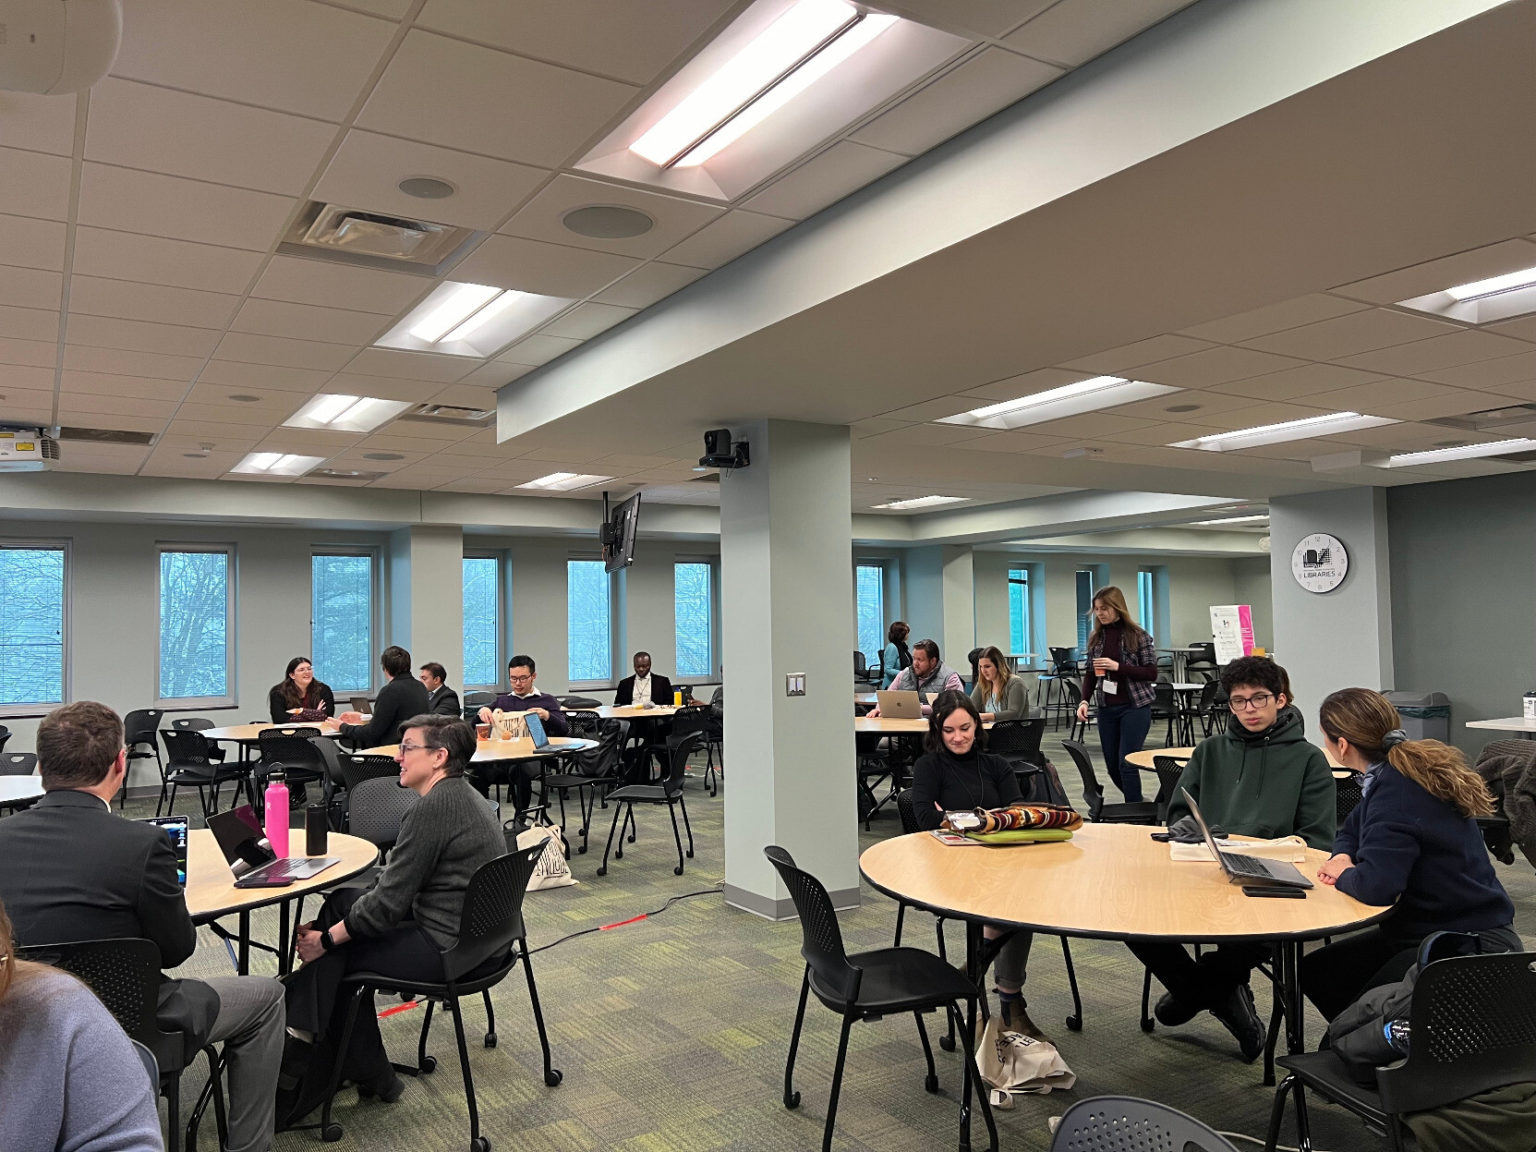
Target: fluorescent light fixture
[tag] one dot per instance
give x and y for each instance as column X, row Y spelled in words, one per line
column 791, row 54
column 457, row 306
column 497, row 307
column 1464, row 452
column 1493, row 286
column 1264, row 519
column 343, row 413
column 917, row 502
column 1280, row 433
column 1057, row 403
column 276, row 464
column 564, row 481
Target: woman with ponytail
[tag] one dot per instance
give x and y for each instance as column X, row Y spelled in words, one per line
column 1412, row 842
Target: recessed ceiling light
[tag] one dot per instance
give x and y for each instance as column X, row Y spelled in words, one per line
column 1463, row 452
column 426, row 187
column 920, row 502
column 244, row 398
column 1057, row 403
column 607, row 222
column 383, row 455
column 195, row 455
column 1280, row 433
column 463, row 319
column 343, row 413
column 1493, row 285
column 564, row 481
column 457, row 306
column 276, row 464
column 791, row 54
column 1182, row 408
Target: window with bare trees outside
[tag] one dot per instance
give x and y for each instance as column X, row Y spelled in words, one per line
column 32, row 622
column 196, row 624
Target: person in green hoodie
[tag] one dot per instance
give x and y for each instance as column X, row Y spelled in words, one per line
column 1258, row 778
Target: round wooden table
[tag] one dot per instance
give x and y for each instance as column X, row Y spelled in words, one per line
column 16, row 791
column 211, row 891
column 496, row 751
column 247, row 735
column 631, row 711
column 1143, row 758
column 1113, row 882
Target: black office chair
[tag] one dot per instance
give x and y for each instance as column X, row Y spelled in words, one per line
column 18, row 763
column 5, row 735
column 1140, row 812
column 357, row 767
column 668, row 792
column 1347, row 793
column 591, row 772
column 1473, row 1029
column 188, row 765
column 291, row 750
column 568, row 703
column 199, row 724
column 869, row 985
column 1070, row 695
column 1018, row 742
column 139, row 729
column 1166, row 707
column 866, row 673
column 1126, row 1124
column 492, row 940
column 1169, row 769
column 125, row 975
column 873, row 766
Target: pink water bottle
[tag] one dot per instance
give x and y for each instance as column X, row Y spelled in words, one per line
column 277, row 814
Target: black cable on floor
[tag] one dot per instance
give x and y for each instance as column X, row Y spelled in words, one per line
column 632, row 920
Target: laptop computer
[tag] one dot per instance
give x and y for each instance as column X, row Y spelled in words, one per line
column 1242, row 869
column 250, row 855
column 361, row 704
column 536, row 731
column 899, row 705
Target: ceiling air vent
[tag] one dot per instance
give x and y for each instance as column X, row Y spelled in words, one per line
column 107, row 436
column 374, row 239
column 351, row 476
column 449, row 414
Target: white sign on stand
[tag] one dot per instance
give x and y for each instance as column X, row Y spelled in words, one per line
column 1232, row 627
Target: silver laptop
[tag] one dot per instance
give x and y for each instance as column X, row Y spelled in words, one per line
column 1242, row 869
column 899, row 705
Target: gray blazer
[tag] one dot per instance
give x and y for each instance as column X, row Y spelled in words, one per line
column 1015, row 699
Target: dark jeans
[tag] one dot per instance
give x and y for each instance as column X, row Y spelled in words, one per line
column 1208, row 981
column 1123, row 729
column 518, row 775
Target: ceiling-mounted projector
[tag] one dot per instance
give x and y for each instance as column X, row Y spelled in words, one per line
column 26, row 448
column 53, row 47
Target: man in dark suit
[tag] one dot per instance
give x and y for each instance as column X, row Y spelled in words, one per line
column 643, row 687
column 70, row 870
column 441, row 699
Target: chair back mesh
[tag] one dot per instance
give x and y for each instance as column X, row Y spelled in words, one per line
column 124, row 974
column 694, row 718
column 376, row 807
column 583, row 721
column 1169, row 771
column 291, row 750
column 602, row 761
column 139, row 726
column 907, row 810
column 5, row 734
column 1346, row 794
column 18, row 763
column 860, row 666
column 1126, row 1124
column 1016, row 739
column 578, row 702
column 1472, row 1028
column 1093, row 791
column 679, row 748
column 1162, row 698
column 492, row 920
column 821, row 939
column 356, row 768
column 187, row 750
column 192, row 724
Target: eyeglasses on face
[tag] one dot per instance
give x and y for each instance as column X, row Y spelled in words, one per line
column 407, row 746
column 1255, row 702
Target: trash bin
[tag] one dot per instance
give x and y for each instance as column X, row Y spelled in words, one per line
column 1426, row 715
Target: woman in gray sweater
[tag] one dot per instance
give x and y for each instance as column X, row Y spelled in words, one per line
column 997, row 693
column 402, row 924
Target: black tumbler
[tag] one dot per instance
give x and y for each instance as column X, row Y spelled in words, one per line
column 315, row 829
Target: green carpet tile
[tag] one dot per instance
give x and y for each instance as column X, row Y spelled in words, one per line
column 672, row 1031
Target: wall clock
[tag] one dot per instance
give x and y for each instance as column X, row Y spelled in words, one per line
column 1320, row 562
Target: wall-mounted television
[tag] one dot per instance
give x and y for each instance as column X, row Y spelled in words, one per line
column 618, row 532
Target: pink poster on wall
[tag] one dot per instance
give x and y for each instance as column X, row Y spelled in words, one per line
column 1245, row 627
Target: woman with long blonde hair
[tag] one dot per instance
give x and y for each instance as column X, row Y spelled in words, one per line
column 997, row 693
column 1121, row 668
column 1412, row 842
column 59, row 1044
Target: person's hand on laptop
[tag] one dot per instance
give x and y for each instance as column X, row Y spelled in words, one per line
column 873, row 713
column 1332, row 868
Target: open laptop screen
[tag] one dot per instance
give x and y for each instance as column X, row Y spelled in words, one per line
column 241, row 839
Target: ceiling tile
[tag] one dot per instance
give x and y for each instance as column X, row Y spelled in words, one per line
column 29, row 243
column 1073, row 32
column 101, row 384
column 1348, row 335
column 384, row 387
column 1303, row 381
column 1012, row 442
column 472, row 485
column 1093, row 425
column 331, row 285
column 158, row 205
column 1449, row 402
column 1165, row 407
column 34, row 184
column 824, row 179
column 139, row 336
column 1455, row 348
column 1408, row 437
column 466, row 396
column 1026, row 384
column 107, row 459
column 1128, row 356
column 536, row 350
column 984, row 84
column 1521, row 328
column 988, row 17
column 1274, row 318
column 1491, row 375
column 1215, row 366
column 1258, row 415
column 27, row 379
column 459, row 95
column 124, row 256
column 135, row 125
column 673, row 218
column 1383, row 398
column 648, row 284
column 261, row 420
column 94, row 296
column 35, row 353
column 260, row 377
column 221, row 435
column 921, row 436
column 411, row 365
column 309, row 322
column 30, row 287
column 28, row 404
column 547, row 269
column 37, row 123
column 494, row 375
column 154, row 413
column 175, row 461
column 283, row 353
column 587, row 320
column 725, row 239
column 936, row 409
column 367, row 169
column 126, row 362
column 40, row 324
column 1447, row 272
column 285, row 54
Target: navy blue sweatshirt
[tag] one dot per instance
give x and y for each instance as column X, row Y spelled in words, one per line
column 1410, row 847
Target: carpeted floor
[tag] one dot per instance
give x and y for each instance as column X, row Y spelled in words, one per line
column 672, row 1031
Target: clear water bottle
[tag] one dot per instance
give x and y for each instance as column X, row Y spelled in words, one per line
column 276, row 799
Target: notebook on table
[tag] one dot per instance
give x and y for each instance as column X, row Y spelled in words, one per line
column 1242, row 869
column 250, row 856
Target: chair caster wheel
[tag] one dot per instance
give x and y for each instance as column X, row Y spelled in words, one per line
column 553, row 1077
column 947, row 1043
column 479, row 1144
column 603, row 871
column 1074, row 1023
column 581, row 850
column 690, row 854
column 429, row 1064
column 1148, row 1024
column 331, row 1133
column 619, row 855
column 930, row 1083
column 631, row 837
column 792, row 1100
column 490, row 1039
column 678, row 871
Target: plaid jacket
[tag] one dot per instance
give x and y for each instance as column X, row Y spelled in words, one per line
column 1144, row 655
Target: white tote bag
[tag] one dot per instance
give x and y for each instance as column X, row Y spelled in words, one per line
column 553, row 870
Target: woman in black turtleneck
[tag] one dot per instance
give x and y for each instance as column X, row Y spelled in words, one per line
column 955, row 774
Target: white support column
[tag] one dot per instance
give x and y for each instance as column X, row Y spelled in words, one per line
column 959, row 608
column 426, row 576
column 786, row 534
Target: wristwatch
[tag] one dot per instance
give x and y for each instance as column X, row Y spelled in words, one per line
column 326, row 943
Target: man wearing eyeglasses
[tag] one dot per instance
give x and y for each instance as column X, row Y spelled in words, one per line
column 1260, row 777
column 523, row 697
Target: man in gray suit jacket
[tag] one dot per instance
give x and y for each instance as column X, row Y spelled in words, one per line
column 70, row 870
column 441, row 699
